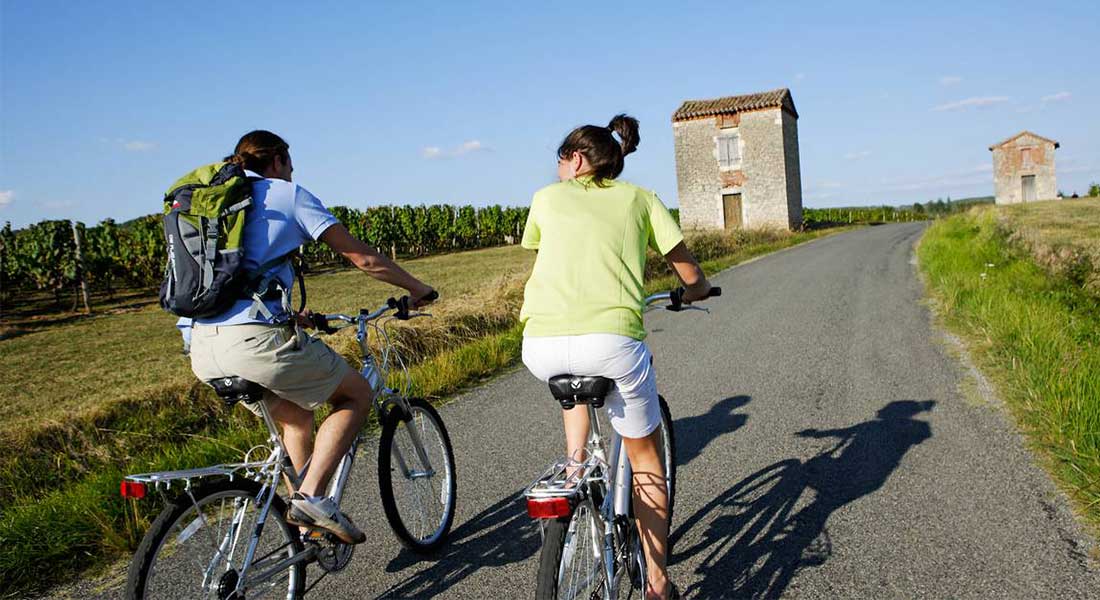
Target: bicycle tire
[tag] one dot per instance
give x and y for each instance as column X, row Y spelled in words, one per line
column 669, row 458
column 549, row 578
column 142, row 566
column 429, row 419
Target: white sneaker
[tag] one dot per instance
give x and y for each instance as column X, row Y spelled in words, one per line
column 322, row 513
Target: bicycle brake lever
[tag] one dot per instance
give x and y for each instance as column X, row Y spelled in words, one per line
column 684, row 307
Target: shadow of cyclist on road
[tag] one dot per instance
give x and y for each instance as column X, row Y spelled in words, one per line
column 501, row 534
column 758, row 534
column 694, row 433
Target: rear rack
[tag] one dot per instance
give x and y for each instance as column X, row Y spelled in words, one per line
column 185, row 476
column 558, row 482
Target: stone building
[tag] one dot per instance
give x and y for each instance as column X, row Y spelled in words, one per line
column 737, row 162
column 1023, row 169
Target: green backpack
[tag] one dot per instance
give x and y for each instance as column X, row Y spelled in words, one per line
column 204, row 217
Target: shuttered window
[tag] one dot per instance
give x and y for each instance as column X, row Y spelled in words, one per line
column 729, row 150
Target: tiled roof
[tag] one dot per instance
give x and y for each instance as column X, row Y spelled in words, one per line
column 1023, row 133
column 691, row 109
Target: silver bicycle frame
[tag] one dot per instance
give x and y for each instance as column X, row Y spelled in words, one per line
column 267, row 471
column 569, row 477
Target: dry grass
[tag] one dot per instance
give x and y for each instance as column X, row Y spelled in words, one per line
column 58, row 372
column 1062, row 235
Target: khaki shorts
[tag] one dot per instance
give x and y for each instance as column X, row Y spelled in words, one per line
column 295, row 367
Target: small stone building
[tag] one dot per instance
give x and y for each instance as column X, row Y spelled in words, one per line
column 737, row 162
column 1023, row 169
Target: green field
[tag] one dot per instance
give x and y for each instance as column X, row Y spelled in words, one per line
column 1031, row 327
column 90, row 399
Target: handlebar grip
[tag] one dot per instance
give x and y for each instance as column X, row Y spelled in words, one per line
column 321, row 323
column 401, row 305
column 676, row 297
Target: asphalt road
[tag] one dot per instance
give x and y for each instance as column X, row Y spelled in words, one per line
column 826, row 450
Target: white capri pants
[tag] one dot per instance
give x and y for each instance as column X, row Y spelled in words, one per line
column 632, row 405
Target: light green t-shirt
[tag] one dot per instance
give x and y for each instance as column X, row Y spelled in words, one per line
column 589, row 272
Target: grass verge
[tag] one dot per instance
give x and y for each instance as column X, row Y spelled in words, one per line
column 1036, row 335
column 59, row 477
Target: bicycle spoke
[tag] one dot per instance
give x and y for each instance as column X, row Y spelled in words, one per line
column 202, row 553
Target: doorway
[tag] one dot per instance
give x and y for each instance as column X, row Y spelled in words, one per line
column 731, row 211
column 1028, row 183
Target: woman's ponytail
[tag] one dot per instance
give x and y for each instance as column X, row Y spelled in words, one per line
column 600, row 147
column 627, row 128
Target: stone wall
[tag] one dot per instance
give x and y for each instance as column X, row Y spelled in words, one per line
column 765, row 190
column 1009, row 170
column 697, row 184
column 768, row 178
column 794, row 171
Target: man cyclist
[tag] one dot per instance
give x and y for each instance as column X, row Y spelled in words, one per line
column 264, row 345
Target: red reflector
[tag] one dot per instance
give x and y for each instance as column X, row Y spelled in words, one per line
column 548, row 508
column 132, row 489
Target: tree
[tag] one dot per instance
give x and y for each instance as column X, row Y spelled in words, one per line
column 1094, row 190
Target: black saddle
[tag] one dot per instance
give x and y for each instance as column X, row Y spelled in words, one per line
column 571, row 390
column 237, row 389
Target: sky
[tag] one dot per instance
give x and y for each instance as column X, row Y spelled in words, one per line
column 104, row 104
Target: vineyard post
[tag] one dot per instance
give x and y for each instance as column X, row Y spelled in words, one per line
column 393, row 239
column 80, row 269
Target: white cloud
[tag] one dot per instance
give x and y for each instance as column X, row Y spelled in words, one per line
column 950, row 80
column 947, row 182
column 468, row 147
column 137, row 145
column 1059, row 97
column 799, row 76
column 976, row 102
column 6, row 197
column 829, row 185
column 857, row 155
column 129, row 145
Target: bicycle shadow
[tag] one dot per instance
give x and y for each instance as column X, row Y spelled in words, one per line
column 693, row 434
column 501, row 534
column 772, row 524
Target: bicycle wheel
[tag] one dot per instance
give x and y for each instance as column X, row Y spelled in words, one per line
column 571, row 565
column 418, row 498
column 668, row 452
column 195, row 548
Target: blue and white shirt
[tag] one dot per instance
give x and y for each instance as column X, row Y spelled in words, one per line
column 283, row 216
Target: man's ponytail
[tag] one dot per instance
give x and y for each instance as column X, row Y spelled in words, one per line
column 256, row 151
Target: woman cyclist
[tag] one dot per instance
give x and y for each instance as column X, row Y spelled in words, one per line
column 582, row 308
column 300, row 372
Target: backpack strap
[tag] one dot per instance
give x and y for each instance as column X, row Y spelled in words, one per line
column 259, row 285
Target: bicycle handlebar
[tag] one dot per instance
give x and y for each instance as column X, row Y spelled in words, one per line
column 400, row 306
column 676, row 298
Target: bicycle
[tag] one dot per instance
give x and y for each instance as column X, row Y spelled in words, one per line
column 215, row 526
column 589, row 538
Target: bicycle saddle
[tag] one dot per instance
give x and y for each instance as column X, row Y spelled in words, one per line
column 237, row 389
column 571, row 390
